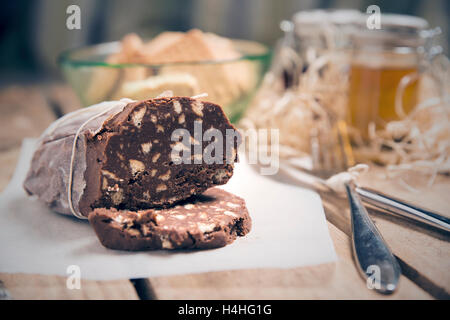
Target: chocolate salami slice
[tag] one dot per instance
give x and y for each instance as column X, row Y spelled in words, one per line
column 213, row 219
column 124, row 155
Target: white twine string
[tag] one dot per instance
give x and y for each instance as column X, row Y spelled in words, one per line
column 75, row 140
column 72, row 161
column 72, row 156
column 201, row 95
column 337, row 182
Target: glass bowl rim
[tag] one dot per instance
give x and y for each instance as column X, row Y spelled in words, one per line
column 65, row 57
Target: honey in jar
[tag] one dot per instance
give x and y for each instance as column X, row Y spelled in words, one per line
column 383, row 73
column 372, row 94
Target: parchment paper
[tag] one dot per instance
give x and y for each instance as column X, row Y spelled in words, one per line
column 289, row 230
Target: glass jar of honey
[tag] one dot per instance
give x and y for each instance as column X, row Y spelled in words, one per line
column 340, row 81
column 384, row 74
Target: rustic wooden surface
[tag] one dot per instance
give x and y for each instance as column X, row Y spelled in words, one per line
column 328, row 281
column 41, row 287
column 424, row 254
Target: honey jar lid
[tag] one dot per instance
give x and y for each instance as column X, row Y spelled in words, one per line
column 311, row 21
column 395, row 31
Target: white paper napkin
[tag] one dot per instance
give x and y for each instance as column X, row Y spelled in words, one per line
column 289, row 230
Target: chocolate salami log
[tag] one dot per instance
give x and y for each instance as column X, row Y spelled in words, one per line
column 210, row 220
column 124, row 156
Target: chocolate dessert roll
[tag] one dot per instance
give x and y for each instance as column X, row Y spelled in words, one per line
column 124, row 154
column 210, row 220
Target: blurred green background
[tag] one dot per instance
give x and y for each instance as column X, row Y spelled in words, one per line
column 33, row 32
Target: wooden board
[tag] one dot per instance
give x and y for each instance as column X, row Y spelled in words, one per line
column 25, row 113
column 61, row 98
column 418, row 247
column 29, row 103
column 8, row 160
column 328, row 281
column 40, row 287
column 424, row 254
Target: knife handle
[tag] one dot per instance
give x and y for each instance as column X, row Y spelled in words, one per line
column 403, row 209
column 373, row 256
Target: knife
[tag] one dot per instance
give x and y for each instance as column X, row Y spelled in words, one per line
column 375, row 260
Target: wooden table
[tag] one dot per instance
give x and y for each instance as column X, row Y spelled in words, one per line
column 424, row 254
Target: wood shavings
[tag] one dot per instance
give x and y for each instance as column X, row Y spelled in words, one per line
column 421, row 140
column 165, row 94
column 306, row 114
column 419, row 143
column 199, row 96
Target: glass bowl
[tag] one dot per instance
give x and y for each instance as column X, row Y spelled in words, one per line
column 229, row 83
